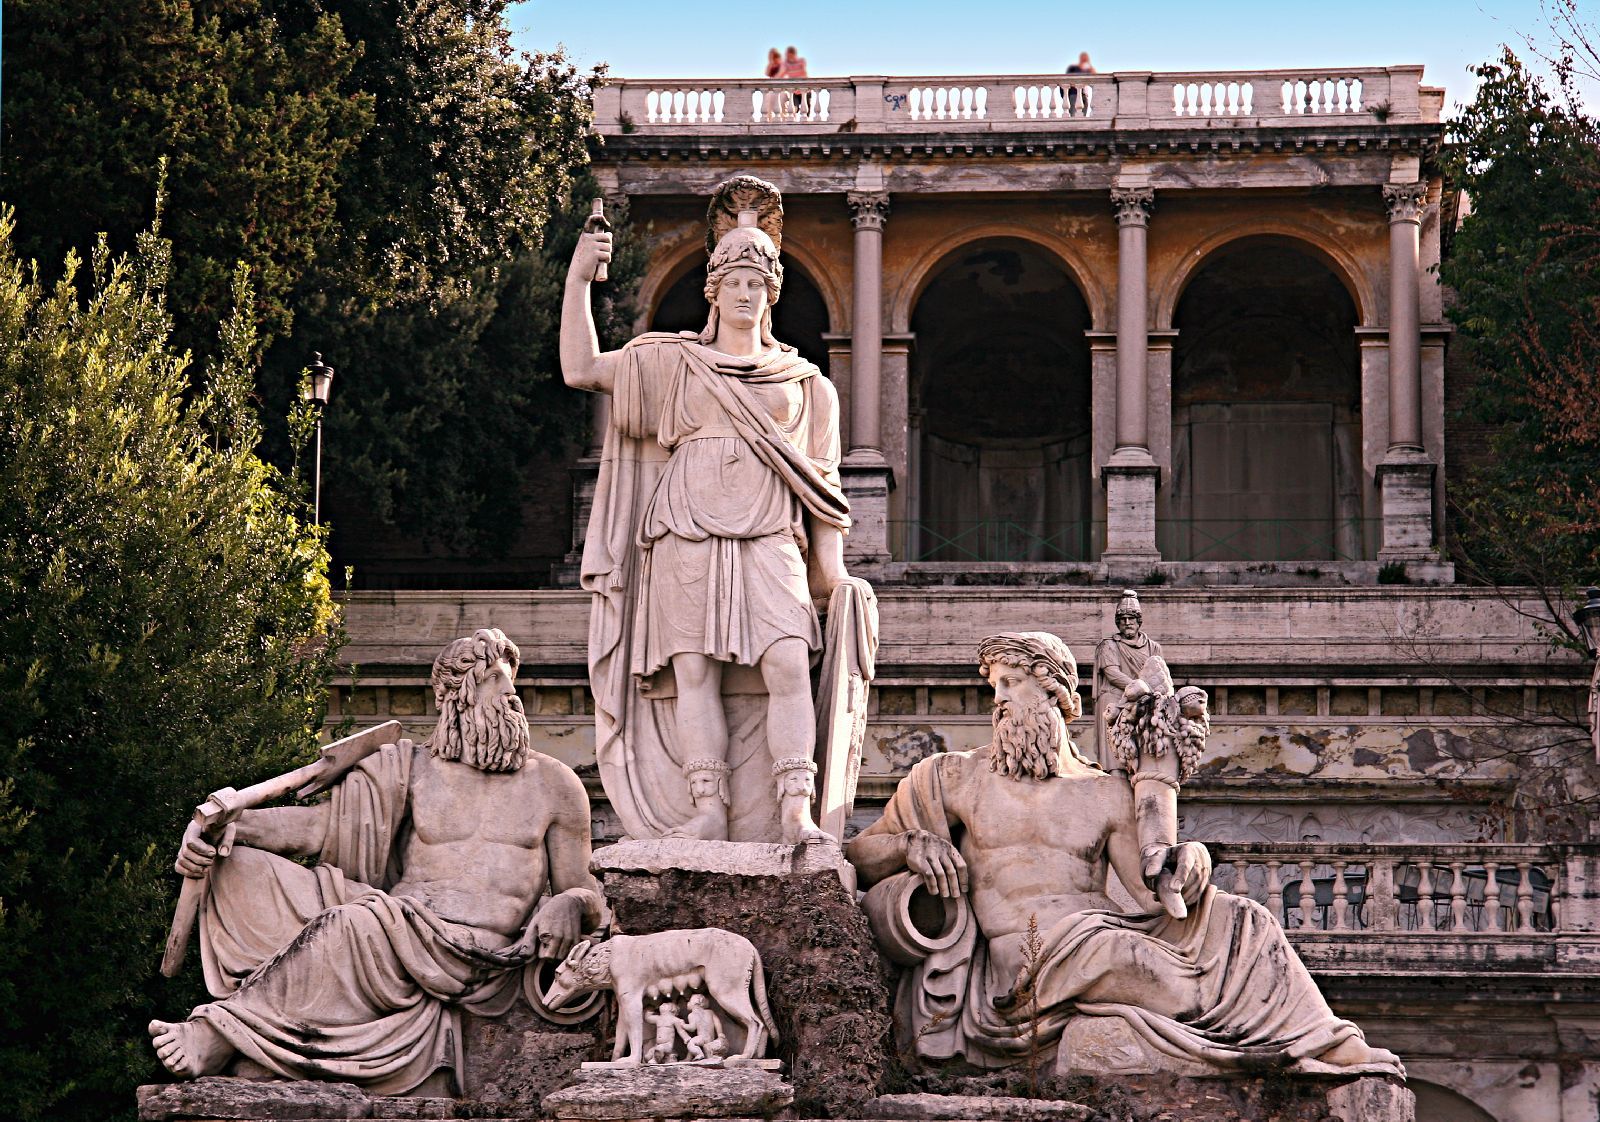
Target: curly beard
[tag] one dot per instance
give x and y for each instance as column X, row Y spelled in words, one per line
column 1027, row 742
column 490, row 733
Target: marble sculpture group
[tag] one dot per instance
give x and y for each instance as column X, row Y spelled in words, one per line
column 445, row 876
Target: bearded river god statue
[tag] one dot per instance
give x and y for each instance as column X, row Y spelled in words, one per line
column 718, row 526
column 445, row 872
column 989, row 873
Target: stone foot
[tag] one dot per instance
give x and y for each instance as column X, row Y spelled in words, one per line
column 190, row 1049
column 798, row 827
column 709, row 824
column 1356, row 1052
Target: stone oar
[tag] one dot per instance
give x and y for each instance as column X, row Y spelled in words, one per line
column 217, row 815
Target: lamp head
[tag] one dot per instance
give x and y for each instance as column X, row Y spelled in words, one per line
column 1588, row 620
column 321, row 385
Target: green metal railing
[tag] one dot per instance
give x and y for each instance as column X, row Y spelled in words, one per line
column 1268, row 539
column 994, row 540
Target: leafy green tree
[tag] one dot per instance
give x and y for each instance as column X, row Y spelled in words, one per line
column 166, row 628
column 1525, row 270
column 257, row 120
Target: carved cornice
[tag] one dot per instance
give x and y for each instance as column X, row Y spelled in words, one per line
column 1133, row 205
column 1404, row 201
column 868, row 209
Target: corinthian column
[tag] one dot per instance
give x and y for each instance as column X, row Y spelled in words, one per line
column 865, row 473
column 1130, row 475
column 868, row 209
column 1133, row 205
column 1406, row 474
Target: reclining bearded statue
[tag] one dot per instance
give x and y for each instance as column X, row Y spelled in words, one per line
column 989, row 871
column 425, row 899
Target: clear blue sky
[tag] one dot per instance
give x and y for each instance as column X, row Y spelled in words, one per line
column 663, row 39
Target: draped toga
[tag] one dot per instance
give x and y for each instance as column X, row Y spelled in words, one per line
column 1257, row 1004
column 697, row 543
column 321, row 974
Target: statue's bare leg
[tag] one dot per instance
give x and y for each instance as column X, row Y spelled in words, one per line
column 190, row 1049
column 792, row 736
column 703, row 733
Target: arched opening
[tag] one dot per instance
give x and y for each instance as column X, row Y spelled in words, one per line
column 1000, row 422
column 799, row 318
column 1266, row 414
column 1440, row 1104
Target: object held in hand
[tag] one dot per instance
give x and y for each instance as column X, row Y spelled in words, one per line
column 597, row 223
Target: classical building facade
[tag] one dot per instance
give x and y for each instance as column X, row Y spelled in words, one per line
column 1179, row 332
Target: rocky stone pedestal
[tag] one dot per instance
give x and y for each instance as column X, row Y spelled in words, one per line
column 751, row 1089
column 825, row 981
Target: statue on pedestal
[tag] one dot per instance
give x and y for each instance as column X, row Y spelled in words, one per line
column 1118, row 660
column 989, row 876
column 445, row 871
column 718, row 518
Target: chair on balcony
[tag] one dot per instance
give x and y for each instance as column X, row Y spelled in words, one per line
column 1475, row 883
column 1355, row 884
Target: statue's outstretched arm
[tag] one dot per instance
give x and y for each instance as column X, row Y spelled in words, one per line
column 580, row 343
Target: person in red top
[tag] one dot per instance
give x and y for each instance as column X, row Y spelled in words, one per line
column 793, row 65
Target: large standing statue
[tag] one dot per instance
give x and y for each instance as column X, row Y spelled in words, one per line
column 718, row 516
column 431, row 861
column 1020, row 835
column 1118, row 660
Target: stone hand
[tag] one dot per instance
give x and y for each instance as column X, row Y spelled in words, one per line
column 937, row 862
column 1178, row 874
column 592, row 250
column 555, row 928
column 196, row 855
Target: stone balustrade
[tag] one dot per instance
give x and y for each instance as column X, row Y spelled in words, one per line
column 1437, row 889
column 1005, row 103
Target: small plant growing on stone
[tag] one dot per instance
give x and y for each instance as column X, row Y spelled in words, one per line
column 1393, row 572
column 1032, row 955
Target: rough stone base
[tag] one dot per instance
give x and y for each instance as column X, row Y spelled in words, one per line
column 625, row 1091
column 224, row 1099
column 1174, row 1098
column 825, row 981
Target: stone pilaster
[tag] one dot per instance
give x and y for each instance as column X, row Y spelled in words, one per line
column 866, row 475
column 1407, row 474
column 1131, row 475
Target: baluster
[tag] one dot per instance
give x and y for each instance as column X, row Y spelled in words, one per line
column 1425, row 887
column 1247, row 92
column 927, row 103
column 677, row 107
column 1356, row 89
column 1491, row 897
column 1458, row 897
column 717, row 101
column 651, row 100
column 1205, row 98
column 1524, row 897
column 1058, row 101
column 823, row 99
column 1288, row 97
column 916, row 104
column 980, row 101
column 1308, row 897
column 942, row 97
column 1274, row 890
column 1020, row 97
column 756, row 101
column 1341, row 99
column 1382, row 906
column 963, row 96
column 1341, row 896
column 1085, row 100
column 1327, row 96
column 691, row 101
column 1177, row 100
column 1033, row 101
column 1193, row 99
column 1241, row 885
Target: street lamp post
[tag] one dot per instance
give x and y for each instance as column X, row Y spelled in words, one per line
column 316, row 392
column 1588, row 620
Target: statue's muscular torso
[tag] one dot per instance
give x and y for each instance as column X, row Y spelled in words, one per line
column 475, row 847
column 1035, row 848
